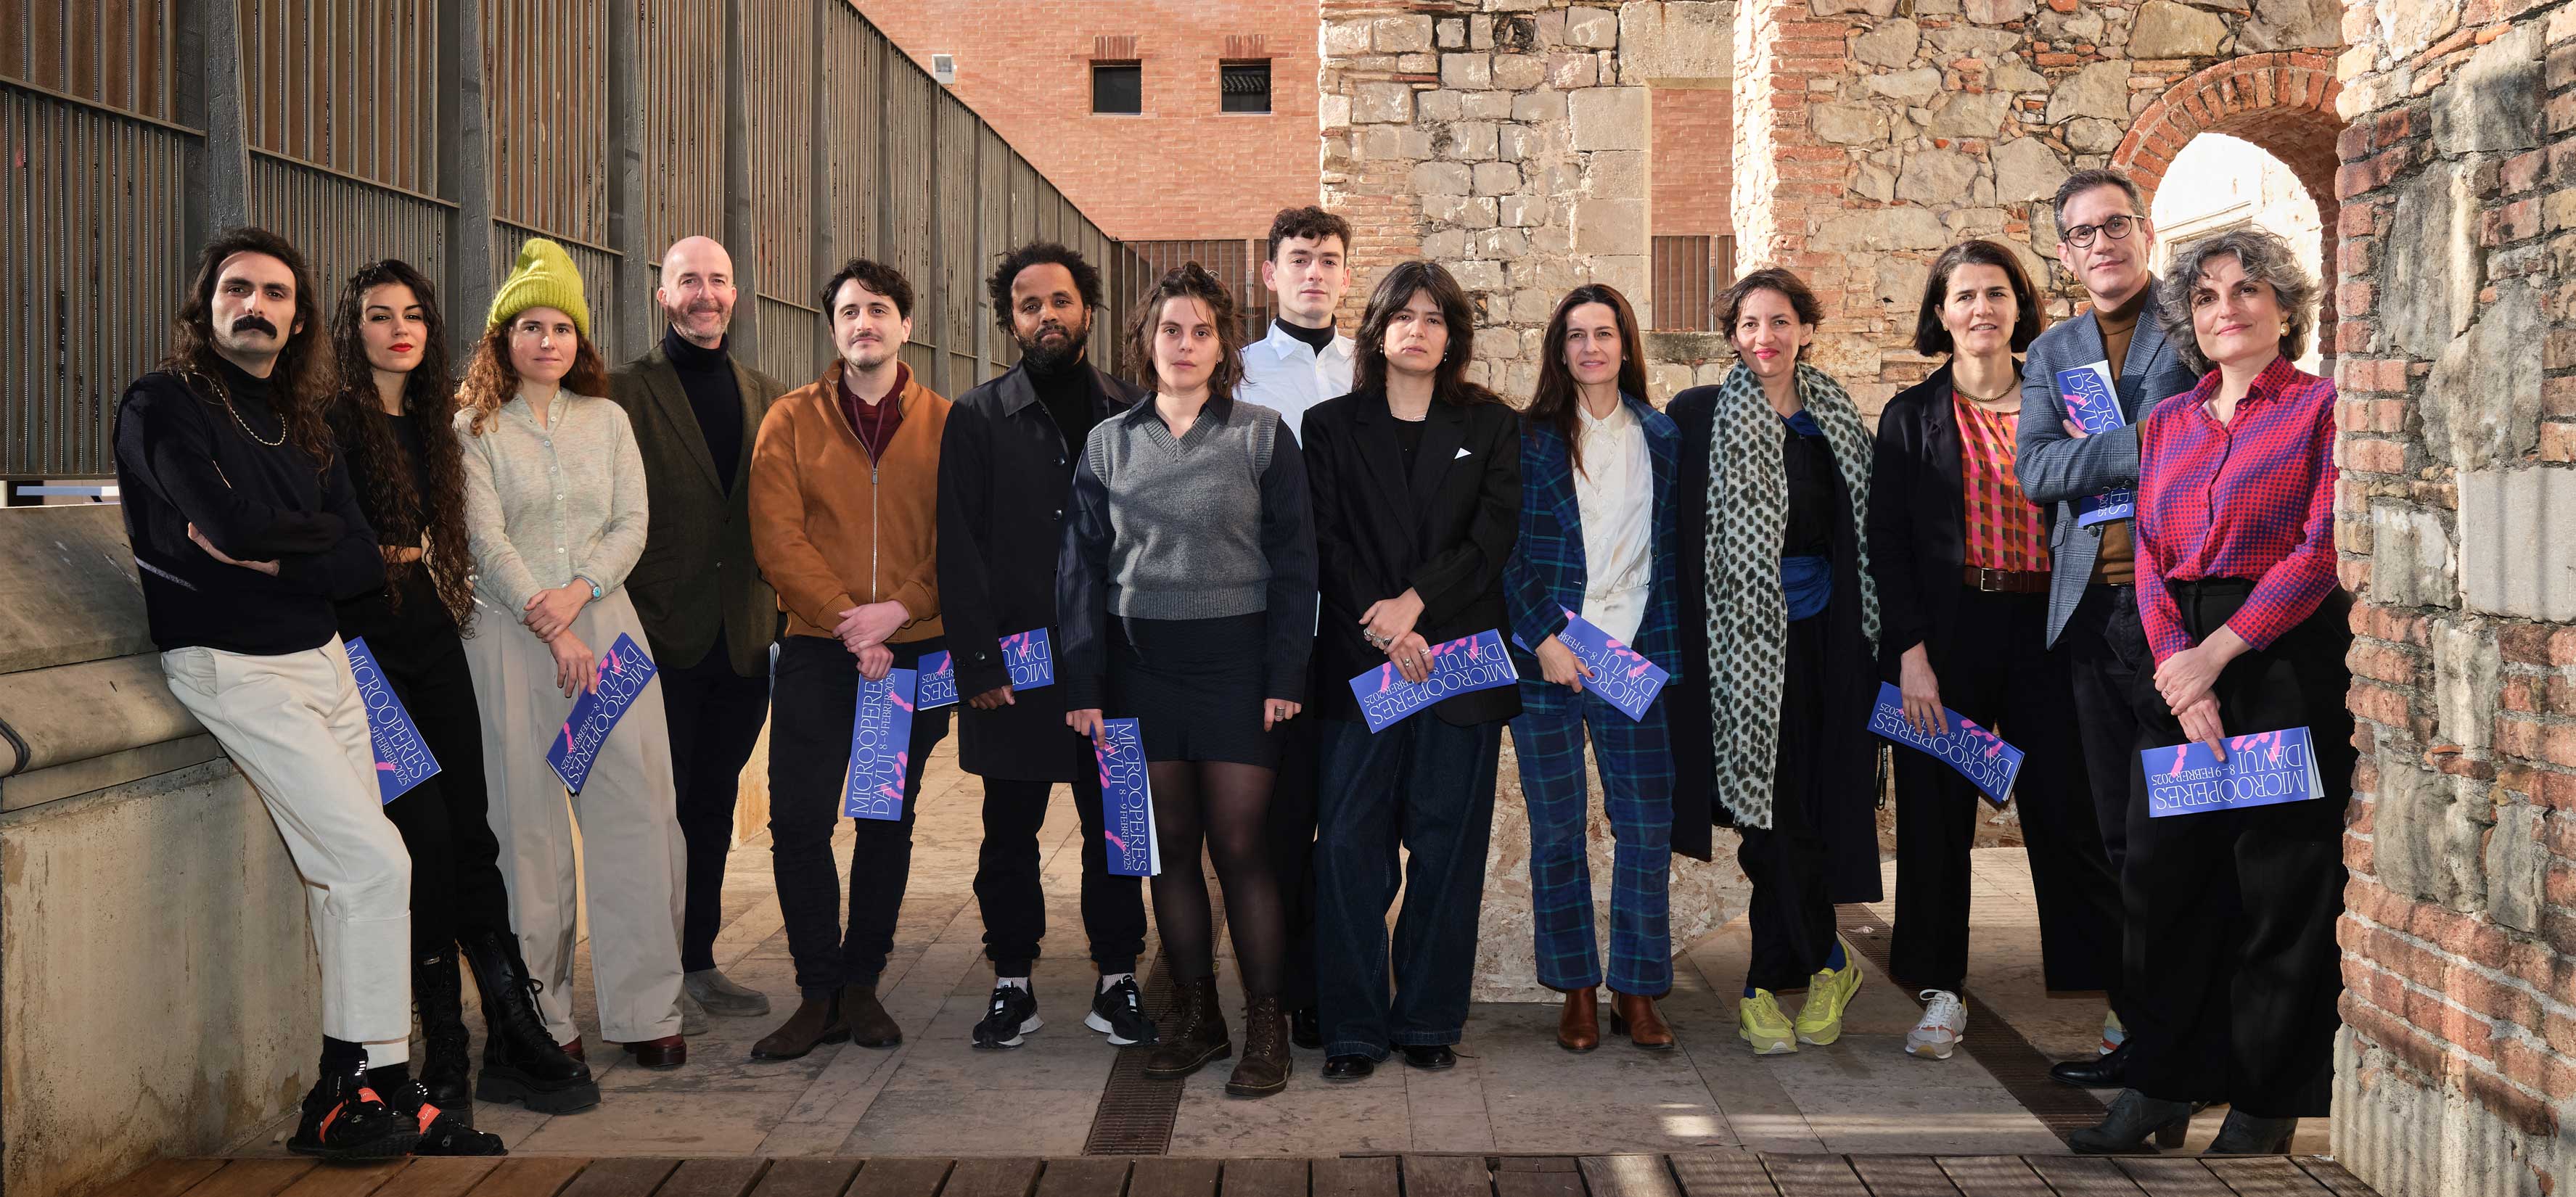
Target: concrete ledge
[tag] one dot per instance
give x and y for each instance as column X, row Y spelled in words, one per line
column 69, row 594
column 68, row 713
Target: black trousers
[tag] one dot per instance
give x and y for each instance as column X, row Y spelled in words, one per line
column 2106, row 651
column 1007, row 890
column 1999, row 672
column 1292, row 853
column 456, row 887
column 809, row 758
column 2233, row 970
column 715, row 716
column 1792, row 913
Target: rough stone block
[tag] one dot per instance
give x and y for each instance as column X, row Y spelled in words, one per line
column 1477, row 276
column 1874, row 182
column 1936, row 177
column 1539, row 106
column 1900, row 283
column 1443, row 178
column 2291, row 25
column 1617, row 174
column 1519, row 72
column 1500, row 245
column 1447, row 245
column 1344, row 39
column 1389, row 143
column 2467, row 672
column 1996, row 12
column 1592, row 28
column 2429, row 293
column 2009, row 73
column 1683, row 39
column 2482, row 401
column 1490, row 105
column 1610, row 226
column 1892, row 44
column 1668, row 378
column 1547, row 235
column 1914, row 87
column 1471, row 141
column 2410, row 562
column 1406, row 34
column 2516, row 557
column 1848, row 124
column 1513, row 143
column 1630, row 273
column 2405, row 822
column 1381, row 103
column 1451, row 33
column 1440, row 105
column 1834, row 8
column 2027, row 168
column 2093, row 135
column 1531, row 306
column 2101, row 89
column 1971, row 114
column 1467, row 71
column 1573, row 70
column 1609, row 118
column 1497, row 178
column 2494, row 103
column 1884, row 229
column 2165, row 29
column 2516, row 866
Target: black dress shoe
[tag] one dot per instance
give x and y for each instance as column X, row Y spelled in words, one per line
column 1433, row 1056
column 1349, row 1068
column 2107, row 1071
column 1306, row 1027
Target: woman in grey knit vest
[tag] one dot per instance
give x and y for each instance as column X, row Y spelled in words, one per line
column 1186, row 600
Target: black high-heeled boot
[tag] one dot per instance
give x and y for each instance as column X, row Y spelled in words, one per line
column 521, row 1060
column 446, row 1070
column 2134, row 1119
column 2245, row 1134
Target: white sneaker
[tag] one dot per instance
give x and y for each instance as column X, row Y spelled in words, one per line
column 1945, row 1022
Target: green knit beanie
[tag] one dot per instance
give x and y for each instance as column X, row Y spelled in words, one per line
column 543, row 277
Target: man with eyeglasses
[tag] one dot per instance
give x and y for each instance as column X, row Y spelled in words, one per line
column 2105, row 238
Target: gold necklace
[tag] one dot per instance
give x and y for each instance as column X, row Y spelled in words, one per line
column 226, row 396
column 1982, row 400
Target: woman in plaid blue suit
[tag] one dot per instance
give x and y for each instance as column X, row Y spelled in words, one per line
column 1596, row 539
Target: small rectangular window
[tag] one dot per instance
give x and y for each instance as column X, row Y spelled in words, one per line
column 1243, row 86
column 1118, row 87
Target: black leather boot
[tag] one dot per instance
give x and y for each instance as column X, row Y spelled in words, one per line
column 521, row 1060
column 2134, row 1119
column 2245, row 1134
column 1265, row 1065
column 438, row 992
column 1198, row 1039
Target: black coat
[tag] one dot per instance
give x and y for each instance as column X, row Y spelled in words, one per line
column 1918, row 537
column 1445, row 532
column 1005, row 481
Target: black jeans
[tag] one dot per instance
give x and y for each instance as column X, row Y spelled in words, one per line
column 1428, row 787
column 1007, row 890
column 715, row 716
column 456, row 886
column 809, row 758
column 2106, row 652
column 2005, row 678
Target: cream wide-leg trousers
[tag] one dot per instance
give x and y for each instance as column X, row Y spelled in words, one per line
column 294, row 726
column 632, row 857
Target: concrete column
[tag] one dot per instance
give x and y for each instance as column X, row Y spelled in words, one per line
column 464, row 174
column 635, row 320
column 219, row 172
column 740, row 233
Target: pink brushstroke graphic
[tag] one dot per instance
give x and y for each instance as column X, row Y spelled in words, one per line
column 384, row 766
column 1114, row 841
column 567, row 735
column 2182, row 754
column 900, row 701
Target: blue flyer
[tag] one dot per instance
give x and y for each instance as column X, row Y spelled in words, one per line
column 1979, row 755
column 1460, row 666
column 1031, row 662
column 403, row 759
column 624, row 671
column 1126, row 800
column 2093, row 401
column 1620, row 675
column 2262, row 769
column 938, row 686
column 880, row 747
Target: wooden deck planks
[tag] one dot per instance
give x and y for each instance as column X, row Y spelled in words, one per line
column 344, row 1180
column 1368, row 1176
column 1084, row 1176
column 252, row 1178
column 712, row 1178
column 1903, row 1176
column 2265, row 1176
column 1722, row 1174
column 1994, row 1176
column 1008, row 1177
column 2333, row 1176
column 528, row 1176
column 619, row 1178
column 1628, row 1176
column 1263, row 1178
column 1447, row 1176
column 449, row 1176
column 2173, row 1176
column 2083, row 1176
column 807, row 1178
column 1164, row 1177
column 896, row 1178
column 1806, row 1175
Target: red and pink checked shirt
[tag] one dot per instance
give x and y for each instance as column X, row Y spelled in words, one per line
column 2003, row 529
column 2252, row 498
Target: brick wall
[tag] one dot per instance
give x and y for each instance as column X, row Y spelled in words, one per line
column 1028, row 71
column 1694, row 162
column 2458, row 220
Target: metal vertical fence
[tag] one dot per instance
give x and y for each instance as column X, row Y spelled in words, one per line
column 1689, row 274
column 446, row 132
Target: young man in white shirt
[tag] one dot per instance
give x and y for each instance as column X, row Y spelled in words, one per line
column 1303, row 362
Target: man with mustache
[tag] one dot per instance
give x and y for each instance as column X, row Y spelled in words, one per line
column 2105, row 238
column 1303, row 362
column 1006, row 473
column 245, row 530
column 706, row 610
column 844, row 521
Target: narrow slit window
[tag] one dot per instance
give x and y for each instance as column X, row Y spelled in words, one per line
column 1243, row 86
column 1118, row 87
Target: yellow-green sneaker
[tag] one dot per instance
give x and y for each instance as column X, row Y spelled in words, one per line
column 1829, row 993
column 1765, row 1027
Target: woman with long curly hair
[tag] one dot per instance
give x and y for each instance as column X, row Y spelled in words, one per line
column 1186, row 591
column 393, row 419
column 555, row 513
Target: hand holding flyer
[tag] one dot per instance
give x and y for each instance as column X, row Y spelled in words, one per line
column 1620, row 675
column 624, row 671
column 1979, row 755
column 1460, row 666
column 2093, row 402
column 880, row 747
column 2262, row 769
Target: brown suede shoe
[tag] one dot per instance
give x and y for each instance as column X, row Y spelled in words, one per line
column 1578, row 1026
column 1265, row 1065
column 817, row 1021
column 870, row 1025
column 1637, row 1018
column 667, row 1052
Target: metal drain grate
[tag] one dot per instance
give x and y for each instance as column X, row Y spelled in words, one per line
column 2020, row 1067
column 1136, row 1111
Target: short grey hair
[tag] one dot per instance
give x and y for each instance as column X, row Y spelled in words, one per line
column 2265, row 257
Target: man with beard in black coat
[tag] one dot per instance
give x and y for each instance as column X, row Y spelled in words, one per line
column 1006, row 472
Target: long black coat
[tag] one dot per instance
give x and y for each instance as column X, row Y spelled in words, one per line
column 1005, row 481
column 1445, row 531
column 1917, row 527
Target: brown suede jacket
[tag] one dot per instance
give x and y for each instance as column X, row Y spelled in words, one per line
column 834, row 528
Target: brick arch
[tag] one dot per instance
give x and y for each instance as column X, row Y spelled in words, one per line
column 2282, row 102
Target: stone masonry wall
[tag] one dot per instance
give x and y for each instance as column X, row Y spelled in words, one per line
column 2456, row 1072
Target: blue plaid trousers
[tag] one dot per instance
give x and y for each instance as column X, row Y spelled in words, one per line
column 1636, row 767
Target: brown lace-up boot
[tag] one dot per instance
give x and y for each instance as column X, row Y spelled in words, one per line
column 1265, row 1065
column 1199, row 1037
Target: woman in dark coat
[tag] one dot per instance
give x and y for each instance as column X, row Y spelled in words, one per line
column 1773, row 482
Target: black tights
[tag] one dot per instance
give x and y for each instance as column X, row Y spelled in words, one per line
column 1225, row 806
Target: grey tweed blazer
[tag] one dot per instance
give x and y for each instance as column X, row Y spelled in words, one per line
column 2056, row 469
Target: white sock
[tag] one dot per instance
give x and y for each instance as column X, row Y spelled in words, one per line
column 391, row 1051
column 1109, row 979
column 1020, row 983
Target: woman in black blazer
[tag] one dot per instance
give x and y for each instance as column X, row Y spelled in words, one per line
column 1417, row 486
column 1962, row 564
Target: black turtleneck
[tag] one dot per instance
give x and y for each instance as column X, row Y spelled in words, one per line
column 1316, row 339
column 714, row 394
column 1066, row 394
column 183, row 459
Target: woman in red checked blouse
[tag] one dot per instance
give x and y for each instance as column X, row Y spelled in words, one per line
column 2232, row 966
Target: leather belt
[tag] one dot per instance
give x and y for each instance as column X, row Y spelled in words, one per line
column 2004, row 581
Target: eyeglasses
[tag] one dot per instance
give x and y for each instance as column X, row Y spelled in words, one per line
column 2117, row 228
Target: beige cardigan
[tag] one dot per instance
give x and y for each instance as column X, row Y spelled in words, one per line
column 543, row 505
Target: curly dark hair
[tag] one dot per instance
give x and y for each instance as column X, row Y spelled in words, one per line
column 301, row 382
column 490, row 379
column 404, row 509
column 1086, row 277
column 1309, row 222
column 1554, row 401
column 875, row 276
column 1730, row 303
column 1189, row 280
column 1449, row 380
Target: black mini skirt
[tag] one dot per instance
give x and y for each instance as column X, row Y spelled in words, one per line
column 1194, row 687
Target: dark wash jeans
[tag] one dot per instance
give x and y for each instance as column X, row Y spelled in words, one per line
column 1428, row 787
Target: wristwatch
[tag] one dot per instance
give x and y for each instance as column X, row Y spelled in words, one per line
column 595, row 593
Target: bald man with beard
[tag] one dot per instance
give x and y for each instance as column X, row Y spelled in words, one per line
column 706, row 610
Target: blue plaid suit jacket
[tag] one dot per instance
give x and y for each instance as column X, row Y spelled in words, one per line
column 1545, row 576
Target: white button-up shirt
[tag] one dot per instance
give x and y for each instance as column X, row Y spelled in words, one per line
column 1281, row 373
column 1614, row 494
